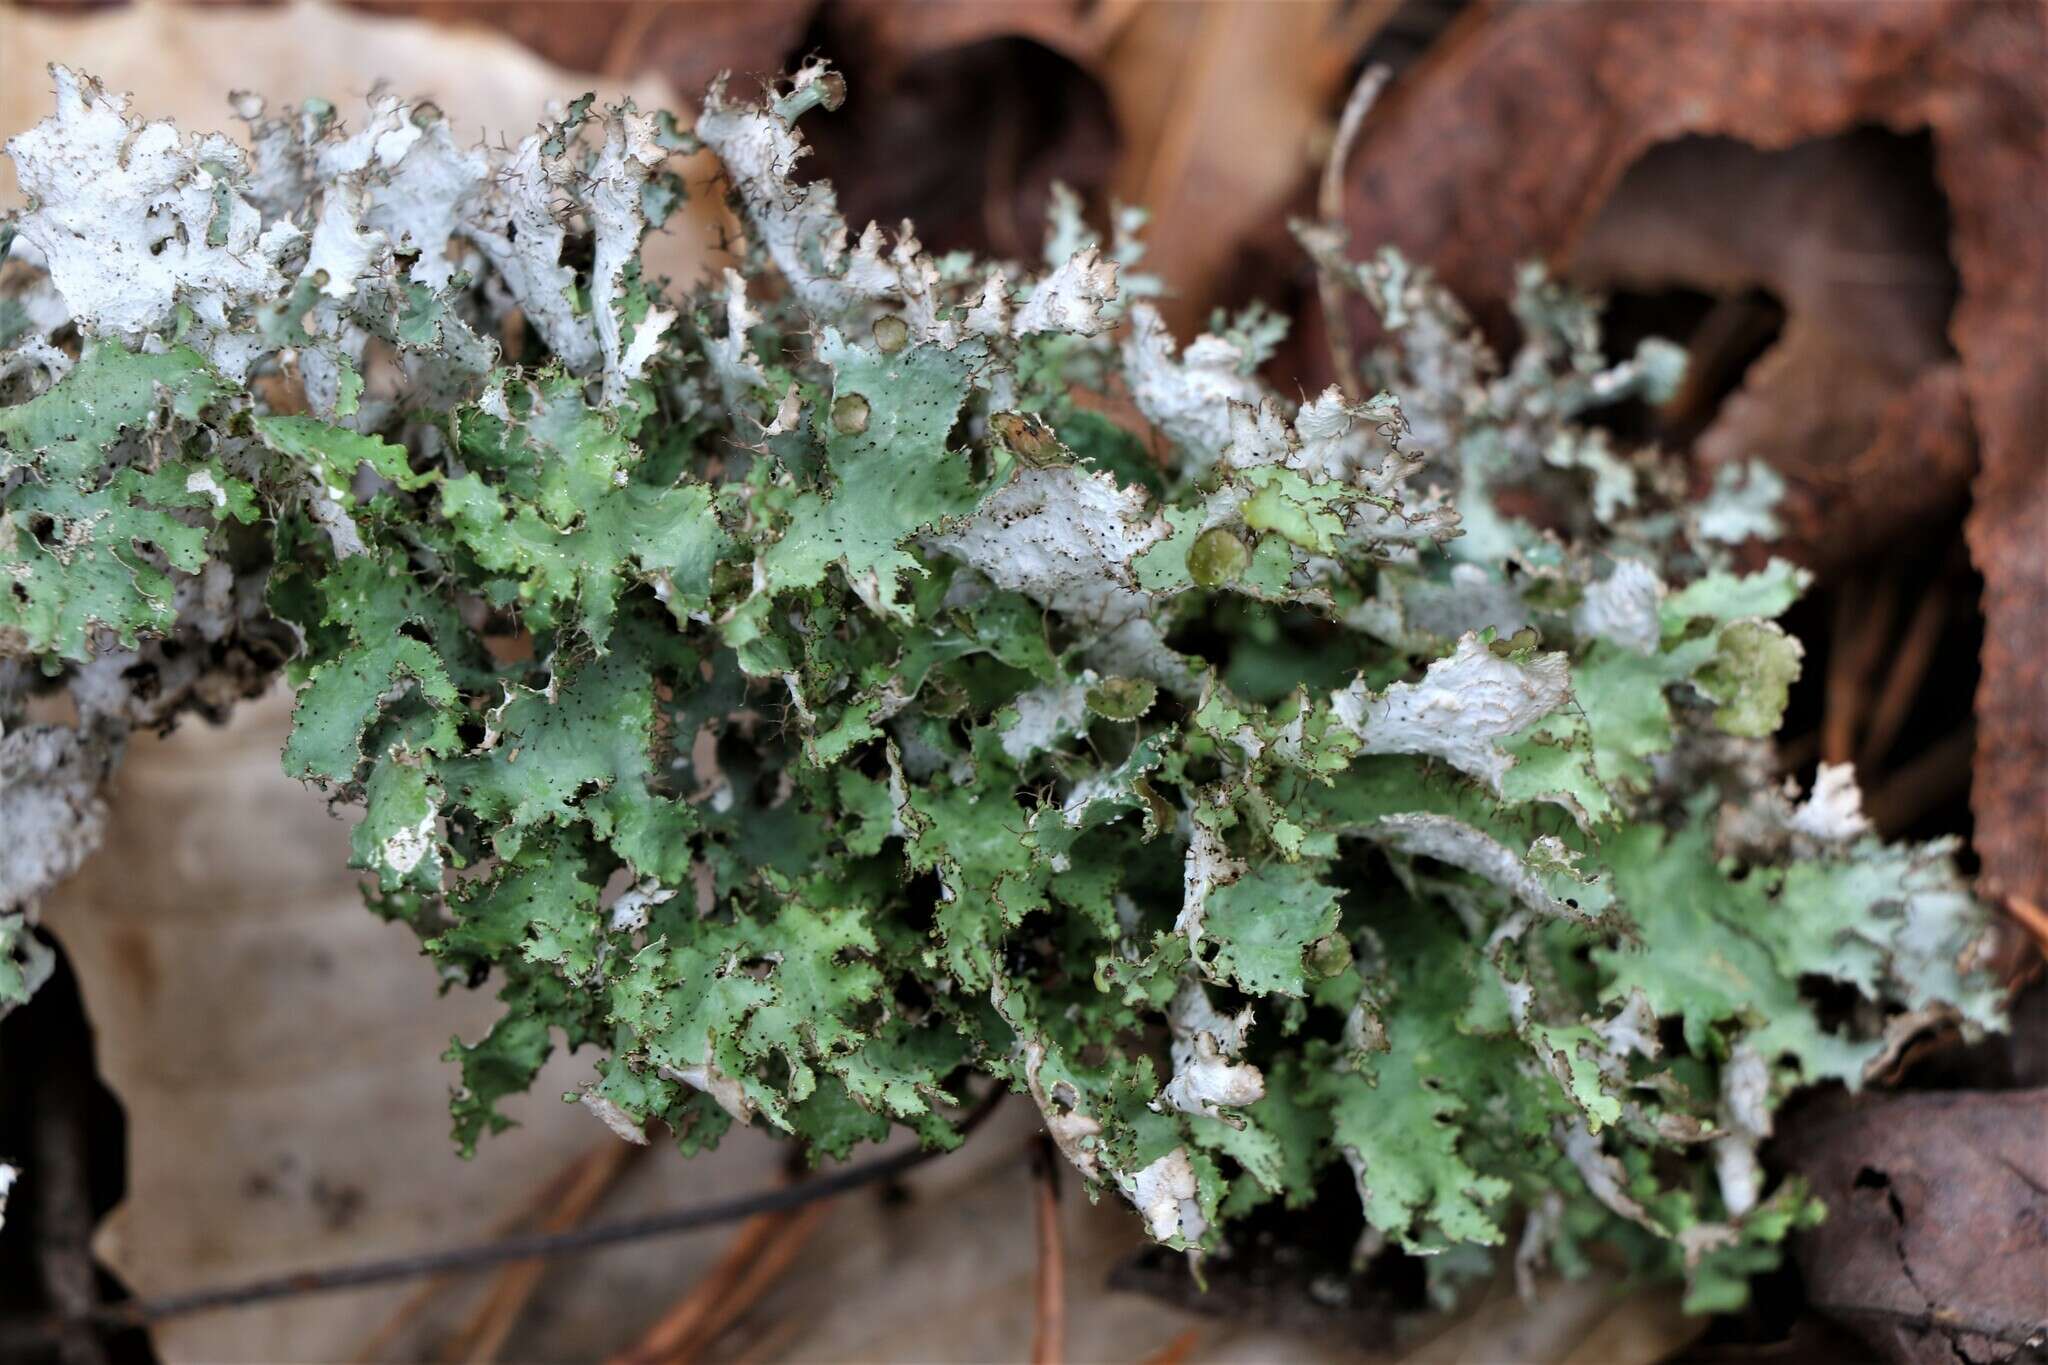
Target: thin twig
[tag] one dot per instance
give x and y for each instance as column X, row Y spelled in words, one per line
column 682, row 1319
column 1365, row 94
column 1357, row 24
column 485, row 1334
column 1719, row 349
column 627, row 50
column 19, row 1333
column 1863, row 621
column 1174, row 147
column 772, row 1343
column 1795, row 753
column 1177, row 1350
column 381, row 1343
column 1837, row 717
column 789, row 1240
column 1902, row 684
column 1937, row 774
column 1107, row 22
column 1049, row 1320
column 2032, row 918
column 2025, row 962
column 1330, row 208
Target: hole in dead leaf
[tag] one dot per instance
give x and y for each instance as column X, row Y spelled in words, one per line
column 1870, row 1178
column 1897, row 638
column 1723, row 335
column 1014, row 116
column 1830, row 255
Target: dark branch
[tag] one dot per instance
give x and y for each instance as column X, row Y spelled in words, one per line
column 20, row 1333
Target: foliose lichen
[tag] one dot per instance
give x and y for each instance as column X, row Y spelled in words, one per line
column 792, row 691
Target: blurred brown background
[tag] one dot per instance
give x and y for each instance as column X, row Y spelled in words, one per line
column 1838, row 207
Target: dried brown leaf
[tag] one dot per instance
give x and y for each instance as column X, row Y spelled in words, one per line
column 1508, row 140
column 1936, row 1244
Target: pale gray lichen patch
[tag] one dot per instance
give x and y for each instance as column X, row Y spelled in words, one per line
column 1623, row 608
column 1543, row 880
column 1209, row 864
column 1462, row 709
column 54, row 817
column 1208, row 1077
column 1190, row 399
column 134, row 219
column 1047, row 716
column 51, row 808
column 1833, row 811
column 404, row 849
column 1067, row 539
column 800, row 228
column 1167, row 1193
column 622, row 1124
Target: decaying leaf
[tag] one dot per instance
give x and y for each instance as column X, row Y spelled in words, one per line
column 1934, row 1247
column 1563, row 107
